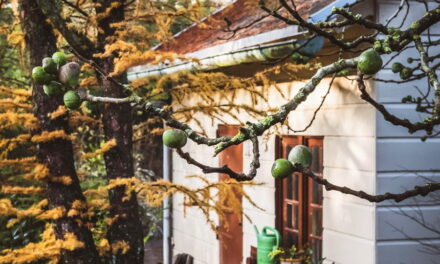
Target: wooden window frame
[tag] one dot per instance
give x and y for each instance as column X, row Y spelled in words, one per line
column 305, row 195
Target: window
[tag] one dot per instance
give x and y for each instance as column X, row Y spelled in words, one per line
column 299, row 199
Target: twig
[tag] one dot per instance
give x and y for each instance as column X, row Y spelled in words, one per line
column 398, row 197
column 412, row 127
column 255, row 164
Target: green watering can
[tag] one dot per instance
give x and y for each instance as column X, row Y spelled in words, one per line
column 266, row 242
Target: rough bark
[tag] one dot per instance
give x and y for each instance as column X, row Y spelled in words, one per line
column 57, row 155
column 117, row 121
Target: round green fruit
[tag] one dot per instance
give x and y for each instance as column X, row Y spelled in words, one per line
column 174, row 138
column 281, row 168
column 369, row 62
column 396, row 67
column 69, row 74
column 300, row 154
column 49, row 65
column 71, row 99
column 59, row 58
column 40, row 76
column 405, row 73
column 53, row 88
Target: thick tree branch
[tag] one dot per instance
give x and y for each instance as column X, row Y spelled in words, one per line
column 260, row 127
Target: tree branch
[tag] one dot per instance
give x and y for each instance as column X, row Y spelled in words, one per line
column 398, row 197
column 412, row 127
column 255, row 164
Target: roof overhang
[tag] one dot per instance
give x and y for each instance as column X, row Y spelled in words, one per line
column 211, row 57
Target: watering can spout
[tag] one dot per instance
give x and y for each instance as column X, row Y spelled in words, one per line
column 256, row 230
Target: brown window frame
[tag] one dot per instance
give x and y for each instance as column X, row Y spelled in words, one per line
column 303, row 200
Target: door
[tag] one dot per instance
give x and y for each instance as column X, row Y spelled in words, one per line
column 231, row 228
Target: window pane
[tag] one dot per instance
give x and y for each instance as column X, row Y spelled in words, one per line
column 289, row 216
column 290, row 239
column 289, row 189
column 317, row 193
column 317, row 222
column 317, row 159
column 292, row 187
column 295, row 217
column 317, row 250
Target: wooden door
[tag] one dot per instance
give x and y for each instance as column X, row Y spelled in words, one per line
column 231, row 228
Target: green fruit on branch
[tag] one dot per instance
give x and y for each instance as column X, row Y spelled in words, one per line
column 405, row 73
column 301, row 155
column 174, row 138
column 53, row 88
column 40, row 76
column 59, row 58
column 369, row 62
column 49, row 66
column 71, row 99
column 281, row 168
column 69, row 74
column 396, row 67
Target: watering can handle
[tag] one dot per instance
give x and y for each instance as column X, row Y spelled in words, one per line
column 277, row 234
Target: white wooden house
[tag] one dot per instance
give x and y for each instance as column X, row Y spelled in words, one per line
column 352, row 144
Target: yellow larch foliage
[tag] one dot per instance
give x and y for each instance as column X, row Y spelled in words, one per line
column 20, row 162
column 120, row 247
column 53, row 214
column 16, row 38
column 16, row 92
column 211, row 197
column 6, row 189
column 39, row 172
column 89, row 81
column 9, row 144
column 60, row 111
column 103, row 247
column 9, row 103
column 77, row 119
column 77, row 209
column 65, row 180
column 48, row 249
column 46, row 136
column 7, row 209
column 12, row 119
column 104, row 148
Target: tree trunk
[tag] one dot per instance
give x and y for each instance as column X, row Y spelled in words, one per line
column 57, row 155
column 117, row 121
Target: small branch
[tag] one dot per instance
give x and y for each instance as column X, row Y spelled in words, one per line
column 412, row 127
column 398, row 197
column 255, row 164
column 317, row 109
column 432, row 77
column 85, row 96
column 192, row 134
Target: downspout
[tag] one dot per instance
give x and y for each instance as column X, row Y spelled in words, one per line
column 167, row 208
